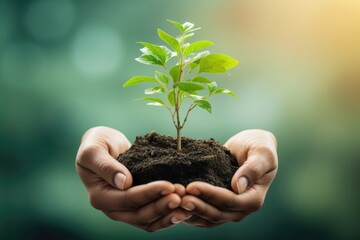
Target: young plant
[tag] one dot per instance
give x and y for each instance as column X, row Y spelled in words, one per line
column 183, row 80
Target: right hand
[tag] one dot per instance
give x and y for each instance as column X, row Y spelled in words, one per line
column 151, row 206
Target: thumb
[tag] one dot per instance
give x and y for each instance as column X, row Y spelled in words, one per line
column 252, row 171
column 105, row 166
column 113, row 172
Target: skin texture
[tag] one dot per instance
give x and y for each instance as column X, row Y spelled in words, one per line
column 161, row 204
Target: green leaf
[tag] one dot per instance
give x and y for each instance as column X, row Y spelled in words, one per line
column 184, row 38
column 157, row 51
column 225, row 91
column 148, row 59
column 173, row 42
column 169, row 54
column 196, row 46
column 155, row 104
column 200, row 79
column 189, row 86
column 193, row 57
column 138, row 79
column 171, row 97
column 178, row 25
column 175, row 72
column 212, row 87
column 187, row 26
column 194, row 29
column 182, row 95
column 154, row 101
column 195, row 96
column 194, row 65
column 184, row 46
column 217, row 63
column 154, row 90
column 161, row 78
column 146, row 51
column 204, row 105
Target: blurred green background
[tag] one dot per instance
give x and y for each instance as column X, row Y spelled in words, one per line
column 62, row 65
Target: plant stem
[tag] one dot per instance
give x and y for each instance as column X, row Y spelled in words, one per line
column 178, row 143
column 178, row 123
column 177, row 100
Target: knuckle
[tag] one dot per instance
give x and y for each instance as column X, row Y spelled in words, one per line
column 103, row 166
column 257, row 204
column 94, row 202
column 255, row 171
column 238, row 218
column 112, row 217
column 203, row 210
column 265, row 151
column 126, row 204
column 230, row 204
column 86, row 153
column 268, row 154
column 216, row 219
column 143, row 223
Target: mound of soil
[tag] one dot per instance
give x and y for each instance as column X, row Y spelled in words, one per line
column 154, row 157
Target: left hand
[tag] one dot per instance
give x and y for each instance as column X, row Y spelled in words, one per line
column 151, row 207
column 255, row 151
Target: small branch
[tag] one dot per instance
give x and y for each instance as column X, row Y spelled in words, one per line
column 192, row 106
column 168, row 72
column 172, row 116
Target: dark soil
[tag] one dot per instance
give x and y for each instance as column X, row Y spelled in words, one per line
column 154, row 157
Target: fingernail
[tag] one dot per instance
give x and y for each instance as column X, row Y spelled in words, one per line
column 189, row 216
column 172, row 205
column 189, row 207
column 242, row 184
column 119, row 180
column 174, row 220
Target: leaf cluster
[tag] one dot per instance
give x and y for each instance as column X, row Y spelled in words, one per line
column 185, row 78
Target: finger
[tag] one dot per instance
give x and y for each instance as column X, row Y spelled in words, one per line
column 226, row 200
column 260, row 162
column 110, row 199
column 175, row 217
column 180, row 189
column 149, row 213
column 112, row 140
column 255, row 151
column 207, row 211
column 244, row 142
column 95, row 159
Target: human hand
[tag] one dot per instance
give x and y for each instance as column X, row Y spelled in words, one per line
column 151, row 206
column 255, row 151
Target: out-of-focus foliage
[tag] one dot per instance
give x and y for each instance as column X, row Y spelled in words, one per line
column 62, row 65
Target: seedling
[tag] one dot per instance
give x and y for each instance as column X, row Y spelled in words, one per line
column 183, row 80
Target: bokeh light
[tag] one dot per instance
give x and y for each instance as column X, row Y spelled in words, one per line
column 97, row 50
column 49, row 19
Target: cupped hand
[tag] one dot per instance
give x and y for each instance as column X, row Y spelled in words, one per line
column 255, row 151
column 151, row 206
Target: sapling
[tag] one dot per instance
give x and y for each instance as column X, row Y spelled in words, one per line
column 184, row 79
